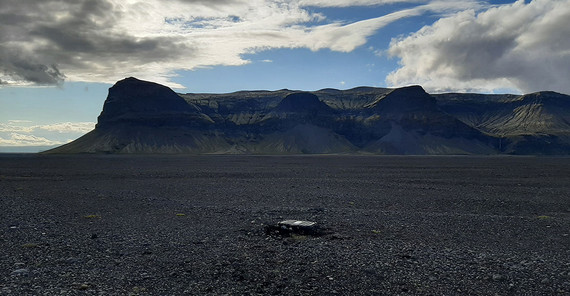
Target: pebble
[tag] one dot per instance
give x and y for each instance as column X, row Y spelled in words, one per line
column 20, row 272
column 71, row 260
column 81, row 286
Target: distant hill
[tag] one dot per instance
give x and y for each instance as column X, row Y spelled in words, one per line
column 145, row 117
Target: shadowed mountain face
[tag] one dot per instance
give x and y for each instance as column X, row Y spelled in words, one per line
column 132, row 101
column 301, row 103
column 404, row 100
column 145, row 117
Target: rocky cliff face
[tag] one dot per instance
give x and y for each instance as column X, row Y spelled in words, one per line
column 537, row 123
column 144, row 117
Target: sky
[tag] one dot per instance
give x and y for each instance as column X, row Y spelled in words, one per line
column 59, row 57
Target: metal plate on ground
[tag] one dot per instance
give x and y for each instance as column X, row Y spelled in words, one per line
column 297, row 223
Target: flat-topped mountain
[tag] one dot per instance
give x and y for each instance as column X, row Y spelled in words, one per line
column 132, row 101
column 144, row 117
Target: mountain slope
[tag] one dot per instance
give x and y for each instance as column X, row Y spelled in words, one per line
column 144, row 117
column 537, row 123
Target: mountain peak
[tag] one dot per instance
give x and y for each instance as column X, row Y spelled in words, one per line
column 132, row 97
column 404, row 99
column 301, row 102
column 543, row 95
column 130, row 79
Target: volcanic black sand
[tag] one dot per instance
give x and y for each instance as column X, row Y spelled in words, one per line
column 172, row 225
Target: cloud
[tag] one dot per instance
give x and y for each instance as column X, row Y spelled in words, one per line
column 348, row 3
column 49, row 41
column 16, row 121
column 26, row 126
column 346, row 37
column 45, row 42
column 16, row 139
column 523, row 46
column 68, row 127
column 26, row 133
column 29, row 70
column 15, row 126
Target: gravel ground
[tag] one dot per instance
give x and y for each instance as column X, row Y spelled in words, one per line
column 175, row 225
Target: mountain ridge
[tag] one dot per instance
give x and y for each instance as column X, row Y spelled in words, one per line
column 144, row 117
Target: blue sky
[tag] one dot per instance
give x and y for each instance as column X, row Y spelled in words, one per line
column 59, row 57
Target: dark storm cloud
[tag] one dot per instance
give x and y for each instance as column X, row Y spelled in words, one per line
column 89, row 40
column 40, row 37
column 38, row 73
column 28, row 69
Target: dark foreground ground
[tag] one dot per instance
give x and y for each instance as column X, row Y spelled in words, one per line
column 172, row 225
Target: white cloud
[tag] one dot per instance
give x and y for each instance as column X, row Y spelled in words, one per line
column 26, row 133
column 523, row 46
column 27, row 126
column 16, row 121
column 18, row 127
column 348, row 3
column 68, row 127
column 346, row 38
column 16, row 139
column 46, row 42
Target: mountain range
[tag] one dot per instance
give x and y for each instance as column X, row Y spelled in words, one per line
column 145, row 117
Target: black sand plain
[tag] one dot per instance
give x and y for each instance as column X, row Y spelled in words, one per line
column 195, row 225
